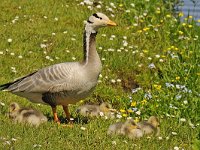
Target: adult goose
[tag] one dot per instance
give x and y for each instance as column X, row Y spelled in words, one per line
column 68, row 82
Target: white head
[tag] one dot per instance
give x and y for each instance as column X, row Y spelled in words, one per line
column 98, row 20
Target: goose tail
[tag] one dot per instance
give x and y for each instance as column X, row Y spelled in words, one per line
column 6, row 86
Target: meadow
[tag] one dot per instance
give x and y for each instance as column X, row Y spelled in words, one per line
column 150, row 63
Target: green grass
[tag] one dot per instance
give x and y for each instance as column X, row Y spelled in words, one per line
column 153, row 35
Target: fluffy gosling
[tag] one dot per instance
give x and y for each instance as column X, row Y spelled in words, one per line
column 151, row 126
column 129, row 128
column 26, row 115
column 90, row 110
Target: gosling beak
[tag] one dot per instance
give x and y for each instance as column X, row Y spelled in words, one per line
column 112, row 110
column 134, row 127
column 111, row 23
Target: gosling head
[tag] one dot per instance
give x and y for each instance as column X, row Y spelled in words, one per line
column 98, row 20
column 105, row 107
column 14, row 107
column 130, row 123
column 13, row 110
column 154, row 121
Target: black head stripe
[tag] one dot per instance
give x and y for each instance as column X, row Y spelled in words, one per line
column 90, row 22
column 95, row 15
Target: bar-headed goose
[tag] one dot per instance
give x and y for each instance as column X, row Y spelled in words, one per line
column 68, row 82
column 91, row 110
column 151, row 126
column 25, row 115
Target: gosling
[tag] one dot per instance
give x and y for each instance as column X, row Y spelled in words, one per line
column 26, row 115
column 90, row 110
column 151, row 126
column 129, row 128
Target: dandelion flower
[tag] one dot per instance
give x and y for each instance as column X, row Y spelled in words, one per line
column 168, row 16
column 124, row 115
column 190, row 17
column 130, row 110
column 133, row 104
column 122, row 110
column 144, row 101
column 136, row 119
column 181, row 14
column 180, row 32
column 183, row 24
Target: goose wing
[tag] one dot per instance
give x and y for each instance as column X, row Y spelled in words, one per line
column 54, row 78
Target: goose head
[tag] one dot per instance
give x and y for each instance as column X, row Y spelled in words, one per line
column 96, row 21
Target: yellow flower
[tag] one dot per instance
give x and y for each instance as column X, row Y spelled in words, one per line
column 184, row 24
column 136, row 119
column 145, row 51
column 198, row 20
column 161, row 21
column 146, row 29
column 81, row 101
column 169, row 49
column 198, row 73
column 176, row 48
column 133, row 104
column 181, row 14
column 144, row 101
column 158, row 11
column 139, row 31
column 177, row 78
column 122, row 110
column 168, row 16
column 163, row 56
column 130, row 110
column 120, row 5
column 124, row 115
column 190, row 26
column 141, row 20
column 190, row 17
column 180, row 32
column 156, row 86
column 172, row 47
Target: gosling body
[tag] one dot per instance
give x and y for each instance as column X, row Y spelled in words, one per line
column 26, row 115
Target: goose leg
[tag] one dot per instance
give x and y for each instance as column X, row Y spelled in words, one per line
column 66, row 110
column 55, row 116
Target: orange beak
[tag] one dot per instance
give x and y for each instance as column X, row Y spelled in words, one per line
column 111, row 23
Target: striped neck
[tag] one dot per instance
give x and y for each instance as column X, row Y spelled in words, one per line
column 89, row 47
